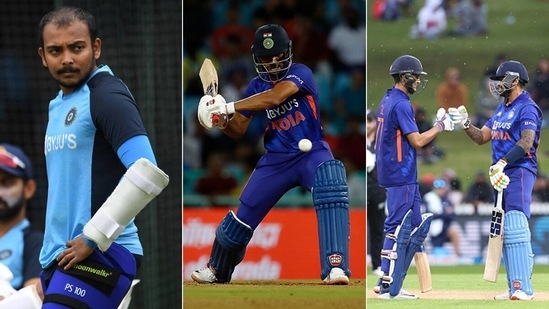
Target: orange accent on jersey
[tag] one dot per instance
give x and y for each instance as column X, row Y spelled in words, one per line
column 312, row 105
column 399, row 145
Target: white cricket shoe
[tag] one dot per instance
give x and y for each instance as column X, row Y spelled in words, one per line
column 503, row 296
column 521, row 295
column 517, row 295
column 403, row 294
column 336, row 276
column 204, row 275
column 377, row 287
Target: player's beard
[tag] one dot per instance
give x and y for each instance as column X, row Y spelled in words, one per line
column 75, row 84
column 10, row 209
column 72, row 85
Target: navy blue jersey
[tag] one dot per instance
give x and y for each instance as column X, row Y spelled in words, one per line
column 508, row 122
column 395, row 156
column 296, row 118
column 22, row 260
column 85, row 129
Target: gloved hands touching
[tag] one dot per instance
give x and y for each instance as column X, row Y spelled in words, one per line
column 443, row 120
column 460, row 115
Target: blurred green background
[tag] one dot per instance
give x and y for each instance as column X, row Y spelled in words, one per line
column 518, row 29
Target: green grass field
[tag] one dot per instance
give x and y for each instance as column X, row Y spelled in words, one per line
column 274, row 294
column 525, row 40
column 453, row 286
column 463, row 286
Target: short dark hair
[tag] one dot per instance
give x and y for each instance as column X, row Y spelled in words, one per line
column 370, row 116
column 63, row 16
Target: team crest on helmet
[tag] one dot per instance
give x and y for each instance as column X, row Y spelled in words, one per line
column 71, row 115
column 335, row 259
column 268, row 42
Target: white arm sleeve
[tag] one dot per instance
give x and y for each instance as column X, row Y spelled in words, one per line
column 141, row 183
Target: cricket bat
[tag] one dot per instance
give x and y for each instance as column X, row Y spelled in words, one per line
column 209, row 80
column 423, row 271
column 495, row 242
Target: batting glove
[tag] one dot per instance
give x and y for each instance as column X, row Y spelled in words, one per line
column 212, row 112
column 204, row 116
column 460, row 115
column 498, row 178
column 220, row 121
column 221, row 106
column 443, row 121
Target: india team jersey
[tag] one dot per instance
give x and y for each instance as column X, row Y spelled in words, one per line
column 18, row 250
column 395, row 156
column 508, row 122
column 85, row 129
column 296, row 118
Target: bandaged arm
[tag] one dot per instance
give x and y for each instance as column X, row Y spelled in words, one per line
column 141, row 183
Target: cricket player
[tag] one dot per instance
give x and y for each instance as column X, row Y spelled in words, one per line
column 397, row 139
column 101, row 170
column 288, row 93
column 514, row 130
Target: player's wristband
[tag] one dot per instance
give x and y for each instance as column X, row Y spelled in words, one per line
column 230, row 108
column 515, row 153
column 467, row 123
column 440, row 125
column 92, row 244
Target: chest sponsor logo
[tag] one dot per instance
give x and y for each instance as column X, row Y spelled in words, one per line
column 59, row 142
column 501, row 125
column 282, row 109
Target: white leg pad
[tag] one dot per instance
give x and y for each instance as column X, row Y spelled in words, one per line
column 26, row 297
column 125, row 304
column 141, row 183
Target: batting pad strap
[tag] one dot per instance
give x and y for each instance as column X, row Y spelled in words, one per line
column 232, row 233
column 141, row 183
column 106, row 224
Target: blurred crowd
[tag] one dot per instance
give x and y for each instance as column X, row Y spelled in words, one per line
column 328, row 36
column 433, row 16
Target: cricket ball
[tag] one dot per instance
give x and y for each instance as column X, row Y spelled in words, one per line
column 305, row 145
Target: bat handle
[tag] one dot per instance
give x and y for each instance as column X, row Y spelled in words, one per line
column 499, row 199
column 215, row 118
